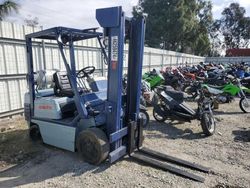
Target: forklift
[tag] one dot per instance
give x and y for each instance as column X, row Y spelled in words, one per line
column 97, row 120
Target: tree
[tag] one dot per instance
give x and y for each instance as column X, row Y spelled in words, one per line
column 215, row 39
column 202, row 42
column 31, row 21
column 7, row 7
column 181, row 25
column 234, row 26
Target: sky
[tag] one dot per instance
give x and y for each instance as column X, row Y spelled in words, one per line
column 219, row 5
column 71, row 13
column 81, row 13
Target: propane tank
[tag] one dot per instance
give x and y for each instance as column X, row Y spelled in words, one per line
column 44, row 79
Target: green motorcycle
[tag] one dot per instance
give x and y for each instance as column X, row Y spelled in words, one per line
column 154, row 78
column 226, row 93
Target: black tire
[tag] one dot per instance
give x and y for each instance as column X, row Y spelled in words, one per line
column 208, row 124
column 245, row 104
column 93, row 145
column 157, row 116
column 145, row 117
column 34, row 133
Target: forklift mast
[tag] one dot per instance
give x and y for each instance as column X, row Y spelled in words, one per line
column 116, row 27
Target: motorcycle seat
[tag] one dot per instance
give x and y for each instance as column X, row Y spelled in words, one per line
column 176, row 95
column 216, row 87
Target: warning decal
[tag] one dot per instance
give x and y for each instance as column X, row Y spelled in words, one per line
column 114, row 48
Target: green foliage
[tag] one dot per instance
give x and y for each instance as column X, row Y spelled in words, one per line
column 179, row 25
column 31, row 21
column 234, row 26
column 6, row 7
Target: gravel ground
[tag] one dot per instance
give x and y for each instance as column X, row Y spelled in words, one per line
column 227, row 153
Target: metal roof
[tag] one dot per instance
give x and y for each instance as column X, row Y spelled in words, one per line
column 66, row 34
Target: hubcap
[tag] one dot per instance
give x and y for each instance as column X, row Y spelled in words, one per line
column 246, row 104
column 211, row 124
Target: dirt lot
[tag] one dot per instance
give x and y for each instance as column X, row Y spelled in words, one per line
column 25, row 164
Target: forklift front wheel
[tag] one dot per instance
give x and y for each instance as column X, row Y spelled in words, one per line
column 93, row 145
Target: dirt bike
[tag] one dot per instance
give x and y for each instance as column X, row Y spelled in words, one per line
column 170, row 106
column 147, row 93
column 174, row 79
column 154, row 78
column 226, row 93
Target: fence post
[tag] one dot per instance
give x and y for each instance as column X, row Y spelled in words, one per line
column 6, row 82
column 43, row 54
column 171, row 60
column 162, row 61
column 149, row 61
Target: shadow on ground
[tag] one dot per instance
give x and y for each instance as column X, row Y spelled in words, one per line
column 16, row 147
column 217, row 112
column 170, row 130
column 241, row 135
column 29, row 162
column 46, row 167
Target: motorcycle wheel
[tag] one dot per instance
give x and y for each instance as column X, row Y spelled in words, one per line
column 145, row 117
column 208, row 124
column 157, row 116
column 192, row 93
column 245, row 104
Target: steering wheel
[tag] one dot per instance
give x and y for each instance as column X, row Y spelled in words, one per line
column 85, row 72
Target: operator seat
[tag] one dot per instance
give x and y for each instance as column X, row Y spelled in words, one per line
column 176, row 95
column 62, row 86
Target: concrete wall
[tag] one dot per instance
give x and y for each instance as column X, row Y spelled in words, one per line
column 227, row 59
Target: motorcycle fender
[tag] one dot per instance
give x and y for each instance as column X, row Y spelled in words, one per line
column 245, row 89
column 214, row 91
column 159, row 111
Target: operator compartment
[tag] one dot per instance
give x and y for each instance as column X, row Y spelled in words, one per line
column 54, row 98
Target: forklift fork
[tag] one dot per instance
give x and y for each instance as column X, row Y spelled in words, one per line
column 157, row 159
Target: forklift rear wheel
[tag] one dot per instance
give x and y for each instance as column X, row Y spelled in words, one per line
column 93, row 145
column 208, row 124
column 34, row 133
